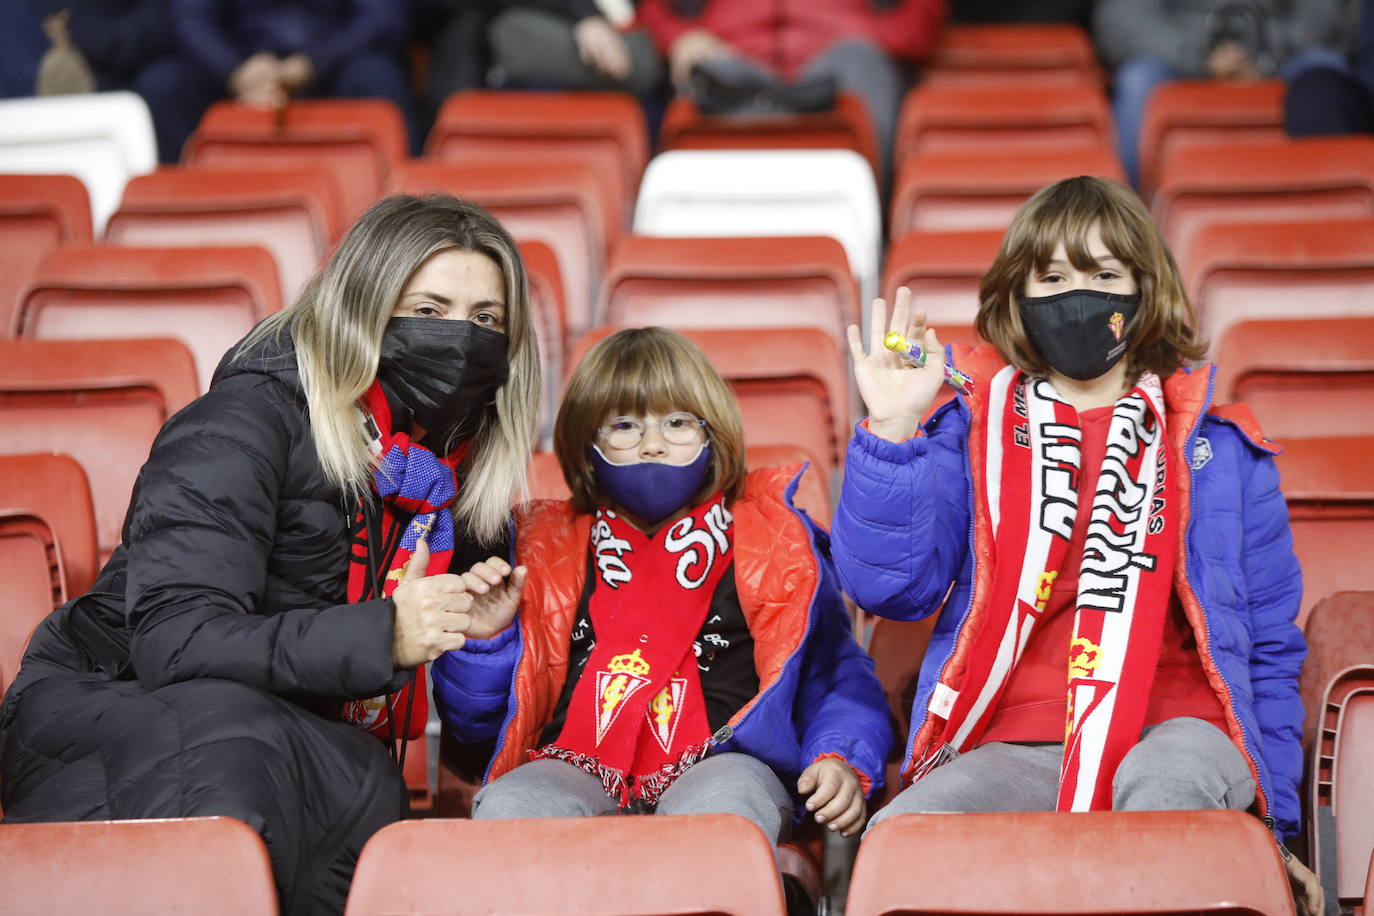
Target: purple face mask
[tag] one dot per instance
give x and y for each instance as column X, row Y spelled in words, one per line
column 650, row 489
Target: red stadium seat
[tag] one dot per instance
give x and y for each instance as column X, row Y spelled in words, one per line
column 550, row 321
column 897, row 648
column 564, row 206
column 31, row 565
column 1048, row 54
column 757, row 282
column 211, row 866
column 942, row 270
column 207, row 297
column 1120, row 862
column 1309, row 269
column 847, row 126
column 795, row 391
column 1341, row 806
column 293, row 214
column 37, row 213
column 100, row 401
column 1331, row 512
column 356, row 141
column 54, row 488
column 1189, row 112
column 605, row 129
column 1340, row 633
column 1301, row 377
column 982, row 190
column 941, row 119
column 1305, row 179
column 716, row 863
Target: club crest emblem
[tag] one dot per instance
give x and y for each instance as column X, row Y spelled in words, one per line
column 1117, row 322
column 1084, row 657
column 626, row 676
column 665, row 711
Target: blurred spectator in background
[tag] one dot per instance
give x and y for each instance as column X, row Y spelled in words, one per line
column 792, row 53
column 573, row 44
column 1334, row 94
column 51, row 47
column 1148, row 42
column 455, row 34
column 264, row 52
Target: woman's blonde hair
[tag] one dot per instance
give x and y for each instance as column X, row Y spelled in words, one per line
column 639, row 371
column 1162, row 334
column 337, row 324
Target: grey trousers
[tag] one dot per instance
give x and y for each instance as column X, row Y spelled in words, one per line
column 1182, row 764
column 531, row 46
column 720, row 784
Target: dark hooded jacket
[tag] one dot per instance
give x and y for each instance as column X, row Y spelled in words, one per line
column 186, row 682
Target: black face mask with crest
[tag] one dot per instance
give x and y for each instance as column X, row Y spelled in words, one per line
column 444, row 372
column 1081, row 333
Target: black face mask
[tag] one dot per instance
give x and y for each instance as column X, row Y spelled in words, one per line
column 1081, row 333
column 443, row 371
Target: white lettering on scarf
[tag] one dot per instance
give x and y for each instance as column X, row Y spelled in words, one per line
column 697, row 547
column 1107, row 554
column 610, row 551
column 1059, row 457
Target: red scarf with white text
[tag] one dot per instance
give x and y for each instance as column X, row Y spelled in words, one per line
column 637, row 717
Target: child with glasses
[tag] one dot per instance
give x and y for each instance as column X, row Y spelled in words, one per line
column 680, row 644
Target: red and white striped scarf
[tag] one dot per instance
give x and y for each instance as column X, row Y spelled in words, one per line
column 1032, row 473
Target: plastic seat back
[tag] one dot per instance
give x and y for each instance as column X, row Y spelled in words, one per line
column 54, row 488
column 1085, row 863
column 207, row 297
column 1190, row 112
column 569, row 866
column 357, row 141
column 102, row 138
column 1311, row 269
column 688, row 193
column 731, row 282
column 101, row 402
column 937, row 119
column 604, row 129
column 37, row 213
column 1340, row 632
column 550, row 322
column 942, row 270
column 1301, row 377
column 1311, row 178
column 1046, row 54
column 293, row 213
column 982, row 190
column 1341, row 802
column 213, row 866
column 897, row 648
column 564, row 206
column 31, row 565
column 846, row 126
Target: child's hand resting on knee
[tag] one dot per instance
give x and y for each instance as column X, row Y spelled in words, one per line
column 837, row 798
column 495, row 590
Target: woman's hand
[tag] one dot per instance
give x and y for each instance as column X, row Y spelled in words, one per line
column 432, row 613
column 896, row 392
column 1307, row 890
column 602, row 47
column 692, row 48
column 837, row 798
column 496, row 590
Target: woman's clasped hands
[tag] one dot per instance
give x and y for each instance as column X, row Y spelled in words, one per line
column 438, row 614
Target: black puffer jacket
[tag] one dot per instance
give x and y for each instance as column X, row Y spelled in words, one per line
column 182, row 684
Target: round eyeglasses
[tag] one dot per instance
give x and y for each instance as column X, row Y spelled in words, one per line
column 627, row 432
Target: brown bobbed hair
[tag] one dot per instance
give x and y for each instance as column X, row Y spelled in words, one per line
column 1163, row 335
column 641, row 371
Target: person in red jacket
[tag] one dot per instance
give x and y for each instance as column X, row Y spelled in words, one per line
column 861, row 45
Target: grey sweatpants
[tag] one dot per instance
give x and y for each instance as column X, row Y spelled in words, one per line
column 1182, row 764
column 720, row 784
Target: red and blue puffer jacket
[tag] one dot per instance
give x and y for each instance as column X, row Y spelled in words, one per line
column 906, row 529
column 817, row 695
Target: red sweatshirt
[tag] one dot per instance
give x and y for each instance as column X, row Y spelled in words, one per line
column 1034, row 705
column 786, row 35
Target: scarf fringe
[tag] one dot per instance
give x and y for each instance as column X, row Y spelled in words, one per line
column 627, row 790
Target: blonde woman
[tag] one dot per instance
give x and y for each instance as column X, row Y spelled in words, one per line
column 1110, row 547
column 285, row 562
column 681, row 646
